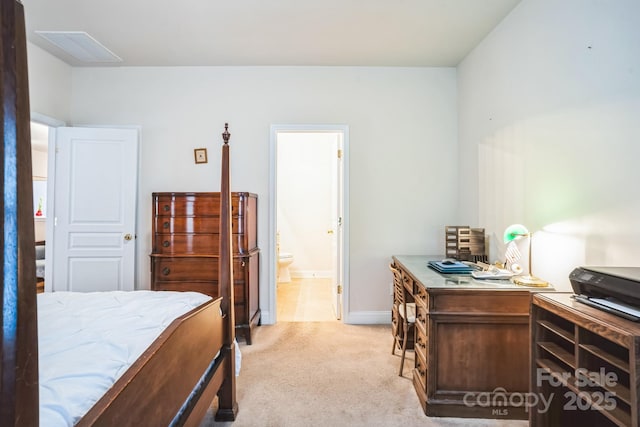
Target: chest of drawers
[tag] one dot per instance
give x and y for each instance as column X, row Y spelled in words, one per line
column 185, row 249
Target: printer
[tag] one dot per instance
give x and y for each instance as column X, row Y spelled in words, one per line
column 612, row 289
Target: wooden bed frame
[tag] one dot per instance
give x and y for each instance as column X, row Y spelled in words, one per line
column 177, row 378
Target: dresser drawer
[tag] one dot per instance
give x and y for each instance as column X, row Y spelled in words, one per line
column 194, row 269
column 195, row 204
column 186, row 244
column 196, row 244
column 194, row 224
column 207, row 288
column 185, row 269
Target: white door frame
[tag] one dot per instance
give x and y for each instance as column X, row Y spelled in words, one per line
column 269, row 315
column 54, row 123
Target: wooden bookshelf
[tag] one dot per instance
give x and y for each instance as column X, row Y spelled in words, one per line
column 585, row 363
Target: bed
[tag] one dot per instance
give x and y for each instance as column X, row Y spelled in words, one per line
column 175, row 379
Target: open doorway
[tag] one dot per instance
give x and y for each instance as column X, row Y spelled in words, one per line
column 307, row 280
column 43, row 168
column 39, row 173
column 39, row 165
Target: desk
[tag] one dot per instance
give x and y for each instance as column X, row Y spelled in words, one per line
column 471, row 343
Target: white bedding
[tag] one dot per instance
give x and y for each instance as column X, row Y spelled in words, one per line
column 86, row 341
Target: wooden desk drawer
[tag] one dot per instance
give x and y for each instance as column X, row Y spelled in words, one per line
column 421, row 296
column 421, row 372
column 468, row 301
column 421, row 317
column 421, row 344
column 408, row 283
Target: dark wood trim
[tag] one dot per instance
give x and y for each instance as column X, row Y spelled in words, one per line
column 227, row 405
column 157, row 388
column 19, row 352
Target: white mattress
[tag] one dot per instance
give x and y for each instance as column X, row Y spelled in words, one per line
column 86, row 341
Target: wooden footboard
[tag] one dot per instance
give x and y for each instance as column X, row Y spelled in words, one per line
column 155, row 387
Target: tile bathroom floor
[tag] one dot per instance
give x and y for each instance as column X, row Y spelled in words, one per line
column 305, row 300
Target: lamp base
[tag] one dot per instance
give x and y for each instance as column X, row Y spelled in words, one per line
column 528, row 280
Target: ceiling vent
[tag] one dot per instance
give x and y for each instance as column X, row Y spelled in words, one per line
column 80, row 45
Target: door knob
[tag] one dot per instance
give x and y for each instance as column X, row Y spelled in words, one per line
column 128, row 237
column 329, row 231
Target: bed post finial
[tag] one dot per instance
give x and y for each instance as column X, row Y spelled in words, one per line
column 226, row 135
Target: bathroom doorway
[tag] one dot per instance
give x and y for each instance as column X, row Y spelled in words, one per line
column 308, row 222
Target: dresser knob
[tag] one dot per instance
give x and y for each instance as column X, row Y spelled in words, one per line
column 166, row 224
column 166, row 271
column 166, row 243
column 166, row 208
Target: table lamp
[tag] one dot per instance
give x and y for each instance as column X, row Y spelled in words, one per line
column 515, row 232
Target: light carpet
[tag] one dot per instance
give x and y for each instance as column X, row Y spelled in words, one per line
column 329, row 374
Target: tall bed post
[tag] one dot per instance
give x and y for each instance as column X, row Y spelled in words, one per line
column 19, row 351
column 227, row 405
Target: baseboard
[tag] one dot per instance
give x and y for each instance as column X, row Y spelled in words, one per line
column 368, row 318
column 353, row 318
column 265, row 318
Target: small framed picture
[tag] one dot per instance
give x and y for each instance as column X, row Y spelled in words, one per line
column 200, row 154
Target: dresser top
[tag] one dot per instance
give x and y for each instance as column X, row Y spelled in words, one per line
column 417, row 266
column 199, row 193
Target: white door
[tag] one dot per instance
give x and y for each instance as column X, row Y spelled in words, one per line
column 337, row 215
column 94, row 209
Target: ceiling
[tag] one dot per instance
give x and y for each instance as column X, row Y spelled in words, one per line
column 272, row 32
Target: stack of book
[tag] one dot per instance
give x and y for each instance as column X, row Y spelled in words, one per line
column 451, row 267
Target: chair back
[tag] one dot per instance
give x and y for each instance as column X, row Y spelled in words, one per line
column 399, row 292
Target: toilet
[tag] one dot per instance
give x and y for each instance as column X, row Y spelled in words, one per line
column 284, row 261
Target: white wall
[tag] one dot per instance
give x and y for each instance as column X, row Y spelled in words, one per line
column 403, row 151
column 50, row 96
column 305, row 200
column 49, row 84
column 549, row 132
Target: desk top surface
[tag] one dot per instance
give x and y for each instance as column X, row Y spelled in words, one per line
column 431, row 279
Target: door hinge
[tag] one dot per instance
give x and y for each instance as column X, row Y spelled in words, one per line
column 339, row 289
column 339, row 154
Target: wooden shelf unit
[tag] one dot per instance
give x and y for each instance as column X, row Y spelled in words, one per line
column 585, row 362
